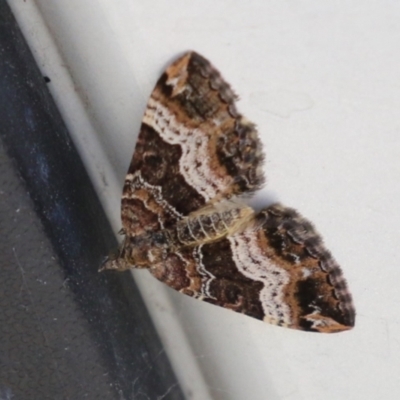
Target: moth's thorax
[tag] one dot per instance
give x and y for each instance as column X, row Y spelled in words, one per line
column 145, row 250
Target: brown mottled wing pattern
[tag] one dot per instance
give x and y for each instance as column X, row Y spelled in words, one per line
column 276, row 270
column 193, row 148
column 194, row 152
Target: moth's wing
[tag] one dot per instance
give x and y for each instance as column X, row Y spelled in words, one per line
column 276, row 269
column 193, row 148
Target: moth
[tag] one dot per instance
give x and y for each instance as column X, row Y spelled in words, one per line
column 184, row 219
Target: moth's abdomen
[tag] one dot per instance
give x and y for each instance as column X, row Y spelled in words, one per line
column 211, row 225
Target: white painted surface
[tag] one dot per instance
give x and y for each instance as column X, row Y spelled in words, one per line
column 322, row 82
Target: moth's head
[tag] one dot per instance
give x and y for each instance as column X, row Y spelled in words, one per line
column 138, row 252
column 115, row 262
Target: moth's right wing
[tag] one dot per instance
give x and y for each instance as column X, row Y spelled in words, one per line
column 276, row 269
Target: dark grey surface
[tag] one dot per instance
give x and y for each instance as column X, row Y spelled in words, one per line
column 66, row 331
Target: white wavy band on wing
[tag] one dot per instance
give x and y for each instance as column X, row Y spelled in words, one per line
column 194, row 164
column 253, row 263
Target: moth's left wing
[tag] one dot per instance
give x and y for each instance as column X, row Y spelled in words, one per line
column 193, row 147
column 276, row 270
